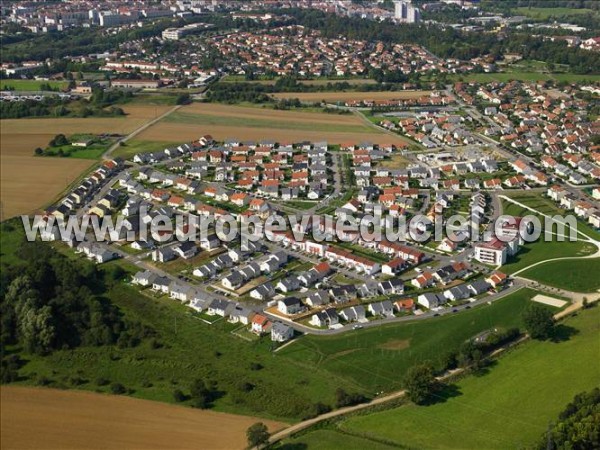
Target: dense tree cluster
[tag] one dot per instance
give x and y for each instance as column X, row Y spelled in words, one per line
column 49, row 302
column 578, row 426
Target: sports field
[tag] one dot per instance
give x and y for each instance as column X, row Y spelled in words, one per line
column 348, row 96
column 226, row 121
column 509, row 406
column 36, row 418
column 377, row 358
column 29, row 183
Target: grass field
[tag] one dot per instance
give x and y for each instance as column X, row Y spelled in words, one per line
column 545, row 13
column 226, row 121
column 332, row 440
column 533, row 252
column 29, row 183
column 50, row 418
column 191, row 349
column 347, row 96
column 545, row 206
column 30, row 85
column 508, row 407
column 574, row 275
column 527, row 76
column 136, row 146
column 377, row 358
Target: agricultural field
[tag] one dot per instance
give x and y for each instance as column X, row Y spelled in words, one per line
column 30, row 85
column 574, row 275
column 226, row 121
column 377, row 358
column 50, row 418
column 29, row 183
column 349, row 96
column 508, row 406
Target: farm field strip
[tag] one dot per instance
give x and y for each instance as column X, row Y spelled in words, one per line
column 348, row 96
column 225, row 121
column 50, row 418
column 29, row 182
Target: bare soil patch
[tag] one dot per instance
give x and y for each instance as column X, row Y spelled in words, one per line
column 395, row 344
column 37, row 418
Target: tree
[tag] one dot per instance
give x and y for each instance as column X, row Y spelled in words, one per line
column 200, row 394
column 257, row 434
column 38, row 151
column 539, row 321
column 183, row 99
column 420, row 383
column 179, row 396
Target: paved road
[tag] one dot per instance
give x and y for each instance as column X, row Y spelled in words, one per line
column 517, row 284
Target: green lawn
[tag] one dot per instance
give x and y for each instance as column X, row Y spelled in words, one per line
column 543, row 205
column 191, row 349
column 376, row 358
column 545, row 13
column 93, row 151
column 31, row 85
column 253, row 122
column 540, row 250
column 509, row 407
column 153, row 99
column 575, row 275
column 138, row 146
column 526, row 76
column 331, row 440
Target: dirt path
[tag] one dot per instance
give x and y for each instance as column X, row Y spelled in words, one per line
column 40, row 418
column 137, row 131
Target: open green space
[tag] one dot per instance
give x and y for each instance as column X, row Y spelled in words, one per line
column 377, row 358
column 509, row 406
column 130, row 148
column 574, row 275
column 189, row 349
column 31, row 85
column 546, row 13
column 93, row 150
column 153, row 99
column 253, row 122
column 332, row 440
column 526, row 76
column 543, row 205
column 540, row 250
